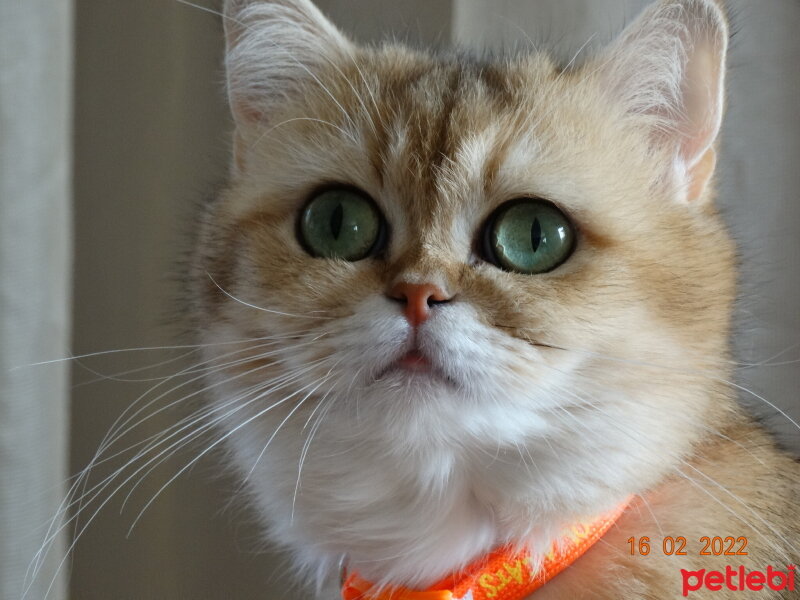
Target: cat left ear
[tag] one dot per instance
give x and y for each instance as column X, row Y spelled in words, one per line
column 273, row 48
column 668, row 66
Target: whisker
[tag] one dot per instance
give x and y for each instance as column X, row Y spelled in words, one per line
column 119, row 435
column 274, row 312
column 200, row 455
column 198, row 367
column 681, row 460
column 652, row 514
column 307, row 443
column 136, row 349
column 36, row 562
column 81, row 477
column 273, row 386
column 272, row 437
column 768, row 362
column 100, row 487
column 709, row 373
column 116, row 427
column 207, row 9
column 118, row 375
column 312, row 119
column 261, row 389
column 764, row 400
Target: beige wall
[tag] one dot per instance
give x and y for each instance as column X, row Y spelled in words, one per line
column 151, row 138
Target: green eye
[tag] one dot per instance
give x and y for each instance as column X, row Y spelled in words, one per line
column 341, row 223
column 528, row 236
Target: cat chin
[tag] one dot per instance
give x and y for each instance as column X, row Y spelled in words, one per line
column 440, row 464
column 416, row 470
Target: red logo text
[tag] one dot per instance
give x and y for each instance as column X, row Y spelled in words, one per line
column 739, row 580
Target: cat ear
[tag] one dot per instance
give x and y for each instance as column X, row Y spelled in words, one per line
column 273, row 47
column 669, row 66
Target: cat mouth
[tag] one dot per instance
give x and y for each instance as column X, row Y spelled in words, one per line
column 413, row 363
column 414, row 360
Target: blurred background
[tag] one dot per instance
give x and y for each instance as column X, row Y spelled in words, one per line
column 113, row 126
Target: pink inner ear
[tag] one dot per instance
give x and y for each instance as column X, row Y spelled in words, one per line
column 702, row 101
column 700, row 174
column 702, row 113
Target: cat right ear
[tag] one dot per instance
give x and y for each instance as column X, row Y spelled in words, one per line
column 273, row 48
column 668, row 69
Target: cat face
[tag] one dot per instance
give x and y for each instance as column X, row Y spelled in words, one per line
column 426, row 373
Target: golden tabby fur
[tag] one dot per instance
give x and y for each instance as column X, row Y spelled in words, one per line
column 567, row 391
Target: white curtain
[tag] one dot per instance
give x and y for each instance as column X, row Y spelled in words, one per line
column 35, row 263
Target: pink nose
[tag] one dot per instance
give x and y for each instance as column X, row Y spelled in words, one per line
column 418, row 299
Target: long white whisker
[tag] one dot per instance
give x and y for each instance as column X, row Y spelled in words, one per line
column 135, row 349
column 118, row 488
column 299, row 404
column 81, row 476
column 274, row 312
column 118, row 376
column 207, row 9
column 312, row 119
column 681, row 460
column 709, row 373
column 764, row 400
column 307, row 443
column 273, row 386
column 117, row 425
column 201, row 454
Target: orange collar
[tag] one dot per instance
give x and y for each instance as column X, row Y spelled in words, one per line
column 504, row 574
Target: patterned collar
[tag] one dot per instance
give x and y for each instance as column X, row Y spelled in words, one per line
column 505, row 574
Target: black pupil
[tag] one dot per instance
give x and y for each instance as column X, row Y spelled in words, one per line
column 536, row 235
column 336, row 221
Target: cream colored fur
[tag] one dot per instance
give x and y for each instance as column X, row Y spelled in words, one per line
column 558, row 395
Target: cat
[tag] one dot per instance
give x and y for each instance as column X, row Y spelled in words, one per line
column 485, row 299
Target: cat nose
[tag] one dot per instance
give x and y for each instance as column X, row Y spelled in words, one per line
column 418, row 299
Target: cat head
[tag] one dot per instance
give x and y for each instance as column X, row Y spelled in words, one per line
column 479, row 296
